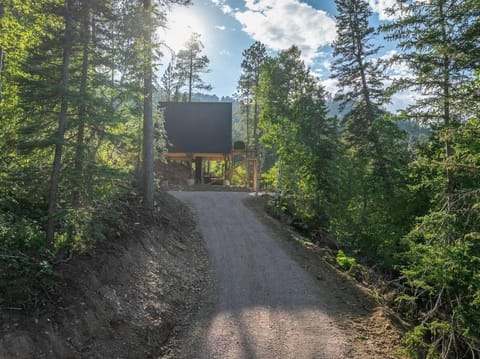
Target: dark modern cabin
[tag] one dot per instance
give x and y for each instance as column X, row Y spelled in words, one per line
column 200, row 132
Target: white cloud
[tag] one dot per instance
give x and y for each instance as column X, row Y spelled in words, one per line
column 226, row 9
column 401, row 100
column 397, row 69
column 280, row 24
column 380, row 7
column 330, row 85
column 220, row 27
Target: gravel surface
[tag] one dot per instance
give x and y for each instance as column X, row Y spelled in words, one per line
column 265, row 305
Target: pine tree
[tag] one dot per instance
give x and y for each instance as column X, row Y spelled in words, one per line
column 436, row 43
column 170, row 83
column 190, row 64
column 148, row 78
column 62, row 123
column 295, row 126
column 435, row 39
column 360, row 81
column 253, row 59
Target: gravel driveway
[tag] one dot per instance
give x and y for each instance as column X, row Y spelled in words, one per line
column 266, row 305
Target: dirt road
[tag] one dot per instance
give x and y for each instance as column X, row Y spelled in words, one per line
column 266, row 305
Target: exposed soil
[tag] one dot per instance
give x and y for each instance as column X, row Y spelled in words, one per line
column 122, row 300
column 275, row 298
column 171, row 172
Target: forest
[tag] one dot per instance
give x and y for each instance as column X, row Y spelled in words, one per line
column 80, row 129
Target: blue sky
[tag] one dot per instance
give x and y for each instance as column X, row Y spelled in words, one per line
column 227, row 27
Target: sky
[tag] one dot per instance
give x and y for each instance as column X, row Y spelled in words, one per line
column 227, row 27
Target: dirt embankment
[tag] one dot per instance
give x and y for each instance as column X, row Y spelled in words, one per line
column 121, row 300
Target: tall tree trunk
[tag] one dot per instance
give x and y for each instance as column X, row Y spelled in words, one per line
column 79, row 154
column 190, row 78
column 148, row 109
column 247, row 144
column 1, row 67
column 279, row 180
column 256, row 148
column 62, row 121
column 2, row 55
column 446, row 110
column 372, row 132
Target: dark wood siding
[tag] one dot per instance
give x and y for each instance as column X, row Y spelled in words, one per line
column 198, row 127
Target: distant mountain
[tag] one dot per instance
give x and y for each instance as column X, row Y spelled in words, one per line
column 203, row 97
column 333, row 109
column 414, row 130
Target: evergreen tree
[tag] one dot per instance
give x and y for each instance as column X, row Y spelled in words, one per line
column 190, row 64
column 294, row 125
column 62, row 122
column 375, row 147
column 253, row 58
column 148, row 78
column 360, row 81
column 171, row 83
column 436, row 43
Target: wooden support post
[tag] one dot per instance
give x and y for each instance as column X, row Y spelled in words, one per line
column 190, row 165
column 224, row 169
column 228, row 165
column 247, row 170
column 255, row 176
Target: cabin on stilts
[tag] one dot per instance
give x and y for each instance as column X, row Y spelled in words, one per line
column 199, row 134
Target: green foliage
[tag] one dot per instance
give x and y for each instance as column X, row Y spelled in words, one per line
column 443, row 258
column 248, row 84
column 408, row 205
column 190, row 64
column 372, row 178
column 295, row 127
column 269, row 178
column 346, row 263
column 101, row 148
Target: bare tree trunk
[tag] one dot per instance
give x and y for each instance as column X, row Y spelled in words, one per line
column 446, row 113
column 79, row 154
column 2, row 55
column 190, row 78
column 62, row 121
column 256, row 147
column 279, row 180
column 247, row 144
column 1, row 67
column 148, row 109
